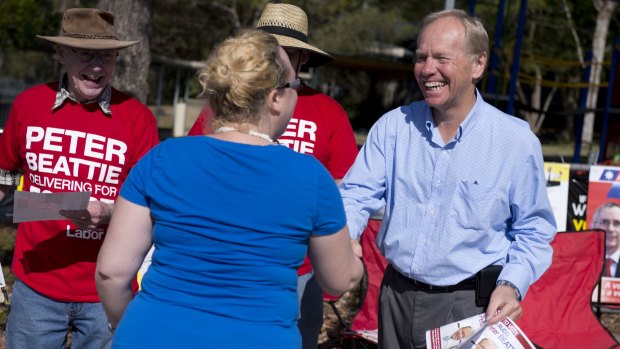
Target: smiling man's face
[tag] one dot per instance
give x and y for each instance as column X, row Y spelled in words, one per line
column 88, row 71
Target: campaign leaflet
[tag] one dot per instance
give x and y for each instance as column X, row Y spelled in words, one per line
column 475, row 333
column 602, row 213
column 32, row 206
column 610, row 290
column 577, row 199
column 603, row 188
column 567, row 189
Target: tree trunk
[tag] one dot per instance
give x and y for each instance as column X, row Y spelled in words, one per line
column 133, row 22
column 537, row 116
column 605, row 10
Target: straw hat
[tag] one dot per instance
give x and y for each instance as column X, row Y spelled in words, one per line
column 289, row 24
column 88, row 28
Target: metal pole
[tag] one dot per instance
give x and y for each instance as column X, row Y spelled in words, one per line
column 177, row 87
column 516, row 59
column 497, row 45
column 160, row 89
column 472, row 7
column 188, row 77
column 610, row 88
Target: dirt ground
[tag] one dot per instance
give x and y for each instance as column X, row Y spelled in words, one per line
column 612, row 323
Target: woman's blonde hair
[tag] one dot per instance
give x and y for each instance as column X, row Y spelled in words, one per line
column 239, row 74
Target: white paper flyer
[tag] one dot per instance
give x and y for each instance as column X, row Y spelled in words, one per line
column 474, row 333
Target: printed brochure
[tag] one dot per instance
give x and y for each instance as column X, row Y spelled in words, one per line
column 475, row 333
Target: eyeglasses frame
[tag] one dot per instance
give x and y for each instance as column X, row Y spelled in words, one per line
column 296, row 84
column 91, row 54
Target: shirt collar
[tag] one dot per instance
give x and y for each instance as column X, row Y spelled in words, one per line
column 471, row 118
column 466, row 125
column 63, row 94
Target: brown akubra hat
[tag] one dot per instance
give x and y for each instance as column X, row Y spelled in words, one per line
column 289, row 24
column 88, row 28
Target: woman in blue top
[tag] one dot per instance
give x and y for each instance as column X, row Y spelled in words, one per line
column 231, row 216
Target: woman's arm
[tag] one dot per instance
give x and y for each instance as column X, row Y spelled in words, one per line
column 335, row 264
column 127, row 242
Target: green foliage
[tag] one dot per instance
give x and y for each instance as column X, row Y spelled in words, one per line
column 30, row 66
column 188, row 29
column 549, row 44
column 25, row 19
column 352, row 26
column 357, row 31
column 180, row 29
column 354, row 88
column 7, row 244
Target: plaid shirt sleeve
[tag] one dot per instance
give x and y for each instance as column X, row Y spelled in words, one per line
column 9, row 177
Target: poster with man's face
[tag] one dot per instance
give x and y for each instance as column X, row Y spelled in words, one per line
column 604, row 213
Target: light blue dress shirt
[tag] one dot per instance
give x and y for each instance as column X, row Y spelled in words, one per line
column 453, row 209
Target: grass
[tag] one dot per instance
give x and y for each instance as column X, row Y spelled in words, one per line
column 558, row 151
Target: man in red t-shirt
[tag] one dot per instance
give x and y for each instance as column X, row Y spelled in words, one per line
column 75, row 135
column 319, row 127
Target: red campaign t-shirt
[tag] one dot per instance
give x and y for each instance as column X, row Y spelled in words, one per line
column 73, row 148
column 319, row 127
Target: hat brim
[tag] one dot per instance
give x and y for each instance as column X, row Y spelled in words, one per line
column 317, row 57
column 91, row 44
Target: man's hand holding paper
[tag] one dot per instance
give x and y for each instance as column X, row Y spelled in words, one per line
column 503, row 304
column 96, row 214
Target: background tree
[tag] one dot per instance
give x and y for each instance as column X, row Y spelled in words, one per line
column 552, row 64
column 188, row 29
column 132, row 19
column 545, row 69
column 605, row 10
column 20, row 50
column 365, row 30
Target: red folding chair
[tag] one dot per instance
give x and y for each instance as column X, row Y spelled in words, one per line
column 557, row 310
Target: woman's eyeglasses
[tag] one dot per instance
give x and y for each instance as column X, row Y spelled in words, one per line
column 296, row 84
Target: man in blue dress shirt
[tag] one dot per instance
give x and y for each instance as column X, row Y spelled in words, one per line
column 463, row 188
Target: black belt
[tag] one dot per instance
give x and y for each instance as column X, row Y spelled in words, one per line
column 467, row 284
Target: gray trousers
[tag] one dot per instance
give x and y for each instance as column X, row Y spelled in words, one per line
column 406, row 313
